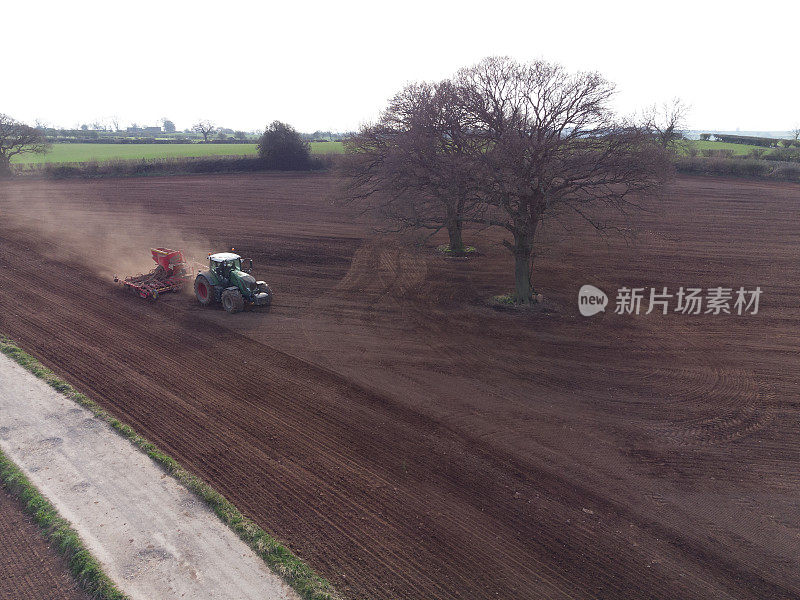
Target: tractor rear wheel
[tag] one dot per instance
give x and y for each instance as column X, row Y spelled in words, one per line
column 203, row 290
column 232, row 301
column 263, row 287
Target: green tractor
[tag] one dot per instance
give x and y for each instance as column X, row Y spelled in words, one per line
column 227, row 282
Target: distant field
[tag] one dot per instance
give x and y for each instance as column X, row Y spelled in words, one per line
column 737, row 148
column 327, row 148
column 101, row 152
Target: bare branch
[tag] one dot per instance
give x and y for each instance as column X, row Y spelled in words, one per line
column 204, row 128
column 18, row 138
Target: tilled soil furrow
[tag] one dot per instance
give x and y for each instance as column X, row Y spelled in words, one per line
column 409, row 442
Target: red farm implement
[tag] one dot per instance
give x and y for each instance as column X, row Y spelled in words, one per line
column 172, row 274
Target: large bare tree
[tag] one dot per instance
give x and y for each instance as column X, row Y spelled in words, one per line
column 412, row 166
column 507, row 145
column 667, row 122
column 18, row 138
column 551, row 146
column 204, row 128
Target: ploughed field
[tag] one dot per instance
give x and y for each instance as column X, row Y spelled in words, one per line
column 409, row 441
column 30, row 569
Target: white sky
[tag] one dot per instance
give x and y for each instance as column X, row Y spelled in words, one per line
column 333, row 65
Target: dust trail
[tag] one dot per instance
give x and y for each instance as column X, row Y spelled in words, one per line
column 109, row 238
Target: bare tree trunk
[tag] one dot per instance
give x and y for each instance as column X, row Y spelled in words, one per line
column 522, row 277
column 454, row 226
column 522, row 251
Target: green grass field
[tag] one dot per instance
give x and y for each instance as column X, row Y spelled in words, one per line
column 63, row 153
column 737, row 148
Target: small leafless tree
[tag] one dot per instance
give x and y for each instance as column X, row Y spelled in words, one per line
column 796, row 133
column 18, row 138
column 667, row 122
column 204, row 128
column 551, row 147
column 412, row 166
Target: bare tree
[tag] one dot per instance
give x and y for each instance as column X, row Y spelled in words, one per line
column 18, row 138
column 506, row 145
column 667, row 123
column 412, row 166
column 796, row 133
column 551, row 147
column 204, row 128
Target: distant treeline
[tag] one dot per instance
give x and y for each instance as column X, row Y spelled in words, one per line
column 764, row 142
column 327, row 136
column 145, row 140
column 221, row 136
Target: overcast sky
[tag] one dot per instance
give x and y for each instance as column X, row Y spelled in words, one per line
column 332, row 65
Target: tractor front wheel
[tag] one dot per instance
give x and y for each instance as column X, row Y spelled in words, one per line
column 203, row 290
column 232, row 301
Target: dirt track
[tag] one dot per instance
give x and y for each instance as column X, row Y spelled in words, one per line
column 410, row 442
column 29, row 568
column 152, row 537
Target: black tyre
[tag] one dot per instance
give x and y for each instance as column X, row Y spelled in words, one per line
column 263, row 287
column 203, row 290
column 232, row 301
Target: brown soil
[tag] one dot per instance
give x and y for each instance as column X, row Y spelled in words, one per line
column 409, row 441
column 29, row 567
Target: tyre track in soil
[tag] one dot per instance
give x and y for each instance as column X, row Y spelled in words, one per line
column 96, row 333
column 316, row 459
column 229, row 432
column 391, row 273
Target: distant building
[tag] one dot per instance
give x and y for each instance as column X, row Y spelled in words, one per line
column 144, row 130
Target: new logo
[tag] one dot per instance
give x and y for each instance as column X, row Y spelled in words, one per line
column 591, row 300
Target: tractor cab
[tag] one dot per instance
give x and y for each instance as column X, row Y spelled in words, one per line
column 223, row 263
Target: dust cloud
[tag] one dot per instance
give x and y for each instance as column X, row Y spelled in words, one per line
column 109, row 238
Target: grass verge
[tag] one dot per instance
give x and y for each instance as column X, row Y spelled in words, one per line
column 83, row 566
column 294, row 571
